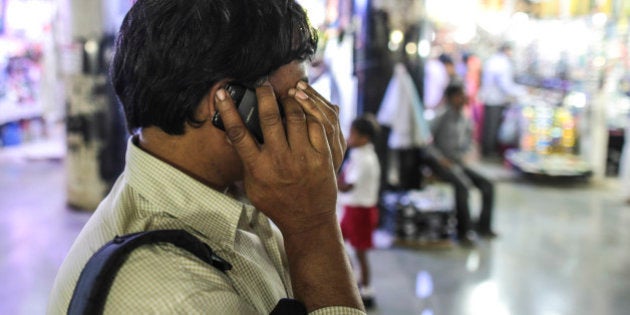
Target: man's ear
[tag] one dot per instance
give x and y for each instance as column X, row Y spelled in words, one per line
column 207, row 107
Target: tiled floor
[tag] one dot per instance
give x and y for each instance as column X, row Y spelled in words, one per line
column 562, row 250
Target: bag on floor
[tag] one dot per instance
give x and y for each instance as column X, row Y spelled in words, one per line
column 96, row 278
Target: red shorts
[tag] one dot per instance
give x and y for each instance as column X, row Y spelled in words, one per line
column 357, row 225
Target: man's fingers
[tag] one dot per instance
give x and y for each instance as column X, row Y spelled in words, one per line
column 297, row 131
column 235, row 129
column 317, row 136
column 270, row 119
column 315, row 108
column 333, row 128
column 312, row 92
column 315, row 120
column 331, row 110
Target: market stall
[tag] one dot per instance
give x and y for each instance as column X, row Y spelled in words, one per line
column 570, row 67
column 23, row 30
column 547, row 128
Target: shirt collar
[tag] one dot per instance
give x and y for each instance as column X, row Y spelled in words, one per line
column 207, row 211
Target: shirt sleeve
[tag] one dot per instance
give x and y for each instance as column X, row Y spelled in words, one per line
column 505, row 81
column 211, row 303
column 337, row 310
column 176, row 285
column 436, row 128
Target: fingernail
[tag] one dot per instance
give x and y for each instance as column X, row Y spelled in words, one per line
column 302, row 85
column 301, row 95
column 227, row 139
column 221, row 95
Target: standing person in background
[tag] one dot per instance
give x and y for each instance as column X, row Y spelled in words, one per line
column 452, row 139
column 472, row 82
column 172, row 66
column 359, row 183
column 438, row 73
column 498, row 91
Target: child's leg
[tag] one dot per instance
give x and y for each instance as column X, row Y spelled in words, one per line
column 364, row 266
column 367, row 294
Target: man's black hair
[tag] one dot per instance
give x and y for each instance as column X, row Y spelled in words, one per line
column 170, row 53
column 505, row 47
column 446, row 59
column 453, row 89
column 366, row 125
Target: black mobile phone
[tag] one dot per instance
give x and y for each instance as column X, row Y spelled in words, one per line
column 247, row 105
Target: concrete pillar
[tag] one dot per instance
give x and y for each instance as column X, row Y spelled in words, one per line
column 96, row 135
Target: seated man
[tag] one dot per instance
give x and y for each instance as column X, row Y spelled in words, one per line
column 172, row 62
column 452, row 139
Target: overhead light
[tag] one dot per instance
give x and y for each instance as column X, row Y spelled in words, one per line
column 396, row 37
column 411, row 48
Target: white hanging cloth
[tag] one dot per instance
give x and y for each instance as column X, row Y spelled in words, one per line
column 403, row 112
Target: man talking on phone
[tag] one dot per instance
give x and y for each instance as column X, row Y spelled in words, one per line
column 173, row 61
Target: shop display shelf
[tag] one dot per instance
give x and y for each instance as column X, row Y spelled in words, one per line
column 549, row 166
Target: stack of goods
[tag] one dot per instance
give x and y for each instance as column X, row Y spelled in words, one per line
column 548, row 130
column 419, row 217
column 548, row 142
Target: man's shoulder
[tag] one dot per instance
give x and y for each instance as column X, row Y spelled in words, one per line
column 364, row 151
column 164, row 277
column 171, row 274
column 440, row 115
column 172, row 265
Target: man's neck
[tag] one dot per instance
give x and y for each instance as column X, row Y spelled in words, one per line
column 178, row 152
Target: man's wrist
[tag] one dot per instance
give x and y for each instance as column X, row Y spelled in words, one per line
column 309, row 227
column 320, row 271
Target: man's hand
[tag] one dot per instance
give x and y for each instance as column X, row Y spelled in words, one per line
column 329, row 114
column 291, row 179
column 445, row 162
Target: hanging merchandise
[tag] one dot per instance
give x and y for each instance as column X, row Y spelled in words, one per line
column 24, row 26
column 402, row 110
column 20, row 81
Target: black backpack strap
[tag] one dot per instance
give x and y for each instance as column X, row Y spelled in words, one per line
column 98, row 274
column 289, row 307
